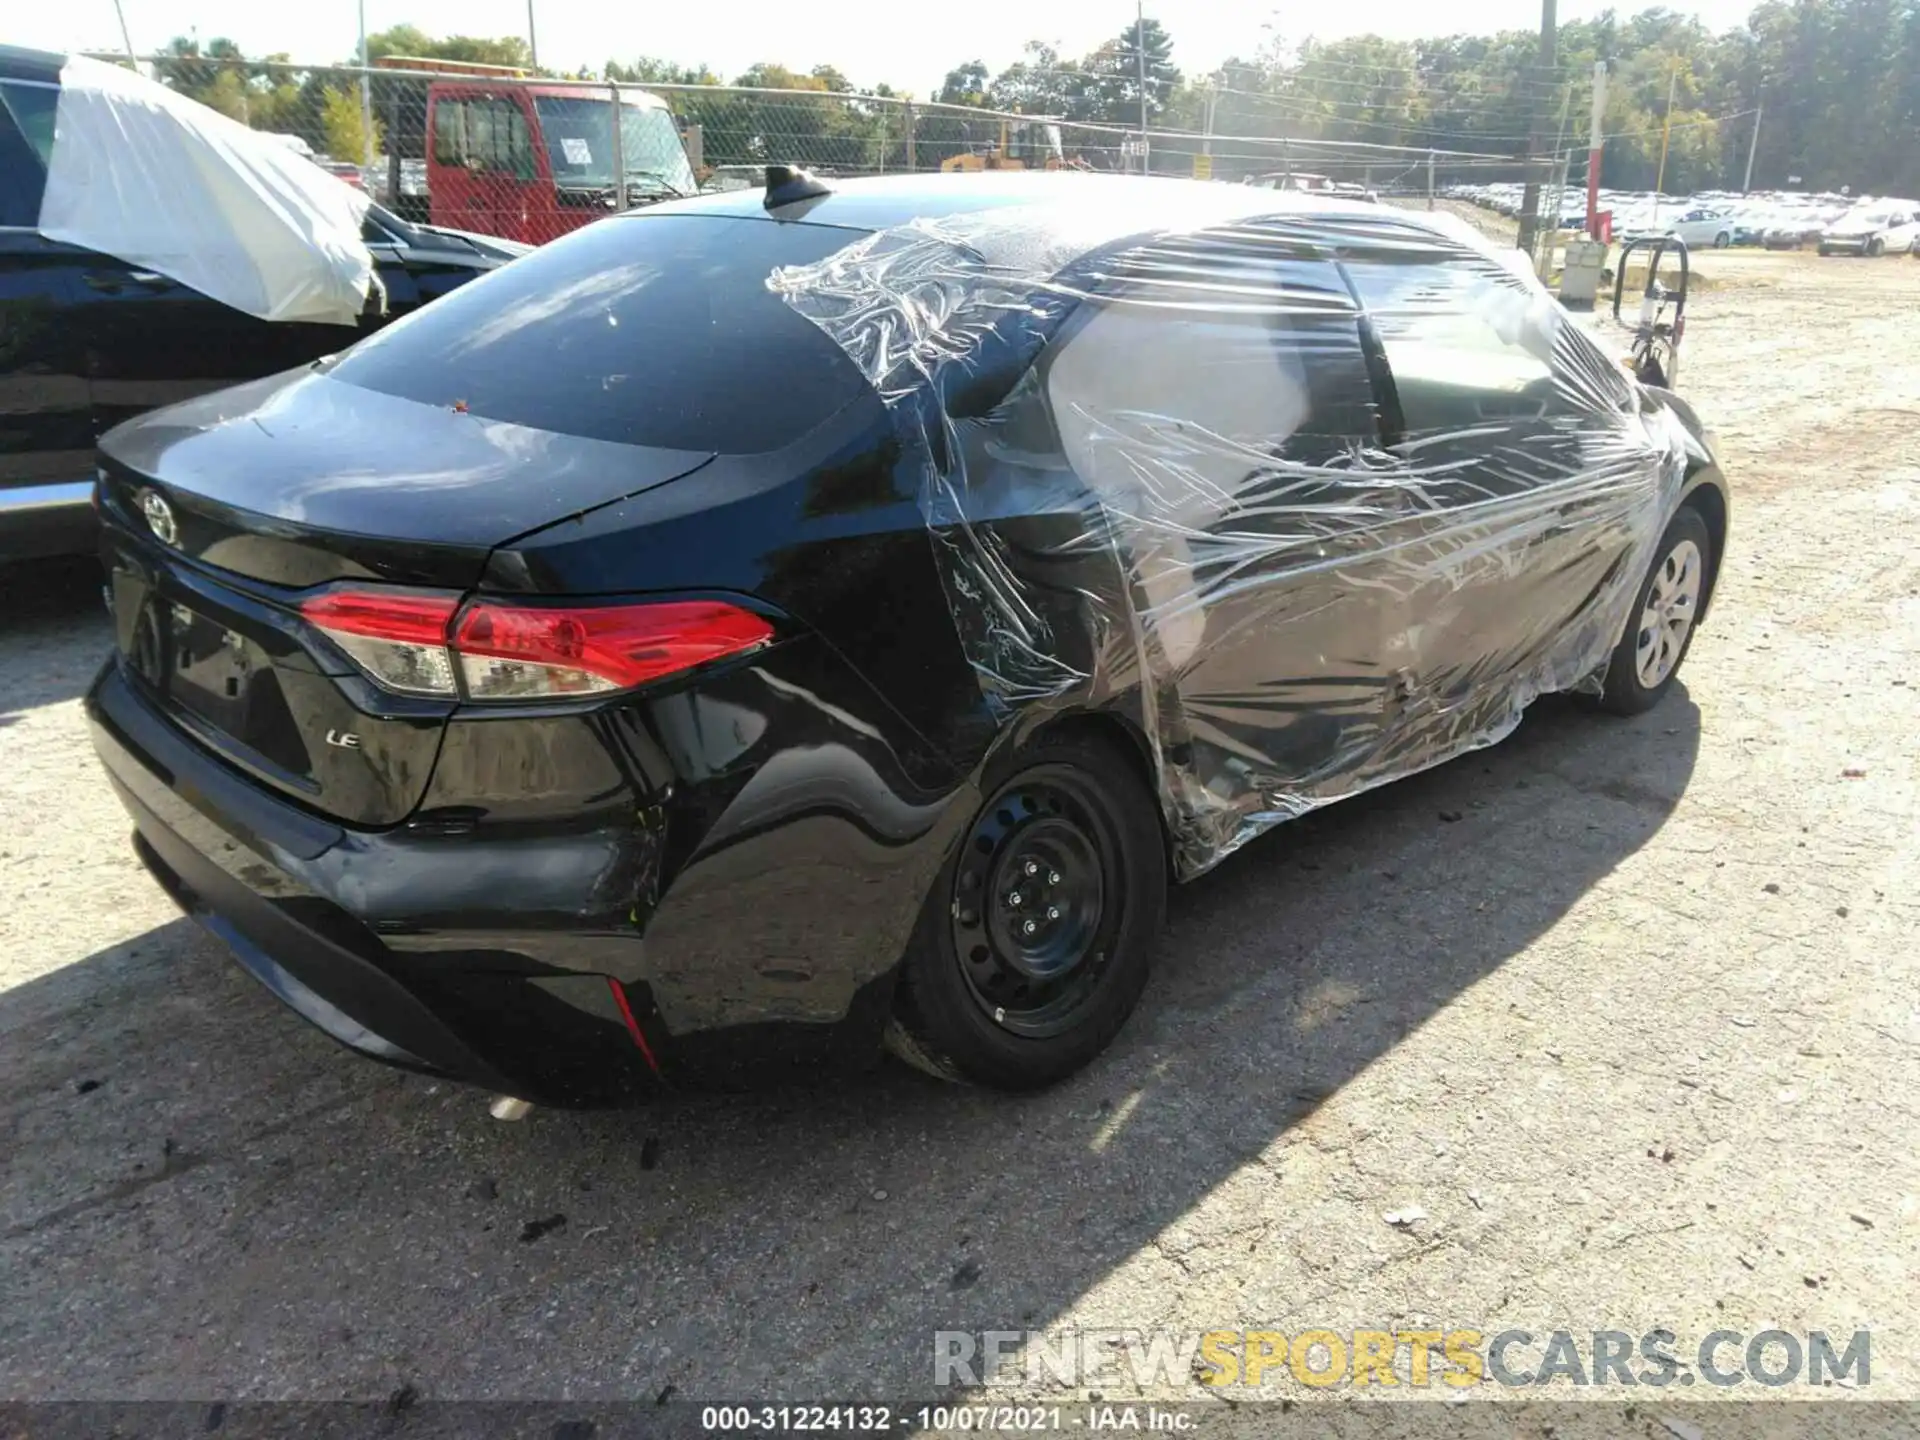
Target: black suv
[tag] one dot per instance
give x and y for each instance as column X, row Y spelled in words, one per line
column 87, row 340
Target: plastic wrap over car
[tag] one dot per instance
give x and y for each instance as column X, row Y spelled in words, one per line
column 1317, row 497
column 162, row 182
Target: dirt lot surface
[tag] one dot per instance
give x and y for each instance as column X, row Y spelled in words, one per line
column 1635, row 1029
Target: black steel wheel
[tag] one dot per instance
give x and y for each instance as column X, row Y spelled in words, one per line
column 1029, row 911
column 1034, row 943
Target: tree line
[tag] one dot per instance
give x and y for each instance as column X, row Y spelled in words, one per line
column 1834, row 83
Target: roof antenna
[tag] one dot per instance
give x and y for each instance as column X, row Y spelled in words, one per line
column 789, row 184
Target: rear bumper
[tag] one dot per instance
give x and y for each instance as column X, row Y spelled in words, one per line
column 47, row 519
column 277, row 886
column 500, row 954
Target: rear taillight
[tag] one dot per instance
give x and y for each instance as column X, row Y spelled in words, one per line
column 512, row 652
column 429, row 645
column 399, row 639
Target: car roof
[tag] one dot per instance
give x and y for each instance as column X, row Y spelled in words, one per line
column 40, row 66
column 1093, row 209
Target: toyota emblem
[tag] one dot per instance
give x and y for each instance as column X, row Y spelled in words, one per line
column 159, row 517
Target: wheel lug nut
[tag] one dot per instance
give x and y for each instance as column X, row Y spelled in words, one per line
column 1053, row 912
column 1032, row 869
column 1053, row 877
column 1013, row 897
column 1028, row 928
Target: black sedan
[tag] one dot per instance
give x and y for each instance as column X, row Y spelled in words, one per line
column 88, row 340
column 774, row 625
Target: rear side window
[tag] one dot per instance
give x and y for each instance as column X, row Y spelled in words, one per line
column 26, row 148
column 1271, row 368
column 1469, row 344
column 647, row 330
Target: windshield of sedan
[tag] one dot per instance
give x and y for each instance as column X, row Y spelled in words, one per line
column 578, row 133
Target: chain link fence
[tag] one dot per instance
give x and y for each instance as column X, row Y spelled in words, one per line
column 530, row 157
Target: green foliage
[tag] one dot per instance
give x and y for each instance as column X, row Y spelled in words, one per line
column 1839, row 80
column 470, row 49
column 343, row 127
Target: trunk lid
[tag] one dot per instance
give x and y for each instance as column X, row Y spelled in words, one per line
column 299, row 479
column 220, row 515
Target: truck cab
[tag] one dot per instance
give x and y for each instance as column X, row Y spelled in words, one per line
column 528, row 161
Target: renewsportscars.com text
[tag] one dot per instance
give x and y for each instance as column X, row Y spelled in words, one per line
column 1455, row 1358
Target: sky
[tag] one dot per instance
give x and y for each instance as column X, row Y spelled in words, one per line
column 910, row 47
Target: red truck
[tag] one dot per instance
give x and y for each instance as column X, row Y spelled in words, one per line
column 523, row 159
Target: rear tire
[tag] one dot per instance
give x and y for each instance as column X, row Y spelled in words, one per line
column 1034, row 943
column 1661, row 625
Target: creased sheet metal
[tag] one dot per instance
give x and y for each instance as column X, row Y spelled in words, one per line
column 1317, row 497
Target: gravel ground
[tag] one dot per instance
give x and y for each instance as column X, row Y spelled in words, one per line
column 1635, row 1030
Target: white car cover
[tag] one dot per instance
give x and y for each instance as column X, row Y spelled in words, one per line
column 164, row 183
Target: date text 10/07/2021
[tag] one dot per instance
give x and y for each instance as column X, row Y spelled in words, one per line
column 876, row 1419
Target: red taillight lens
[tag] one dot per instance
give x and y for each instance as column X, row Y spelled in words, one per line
column 514, row 652
column 411, row 642
column 398, row 638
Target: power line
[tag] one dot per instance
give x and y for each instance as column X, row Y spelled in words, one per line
column 1303, row 111
column 1413, row 92
column 1569, row 70
column 1301, row 102
column 1411, row 77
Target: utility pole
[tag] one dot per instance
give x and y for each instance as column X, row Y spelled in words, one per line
column 1546, row 65
column 1753, row 148
column 533, row 42
column 1140, row 56
column 366, row 100
column 125, row 38
column 619, row 148
column 1596, row 143
column 1666, row 134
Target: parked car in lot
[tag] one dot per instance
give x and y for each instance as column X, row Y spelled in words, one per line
column 1704, row 228
column 88, row 338
column 774, row 622
column 1886, row 227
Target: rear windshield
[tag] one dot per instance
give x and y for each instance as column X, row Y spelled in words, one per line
column 646, row 330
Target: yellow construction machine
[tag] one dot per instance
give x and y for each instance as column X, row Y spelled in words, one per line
column 1023, row 145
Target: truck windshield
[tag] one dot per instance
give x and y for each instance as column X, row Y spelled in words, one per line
column 578, row 134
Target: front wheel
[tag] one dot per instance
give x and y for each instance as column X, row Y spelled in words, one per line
column 1660, row 626
column 1876, row 247
column 1722, row 240
column 1033, row 946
